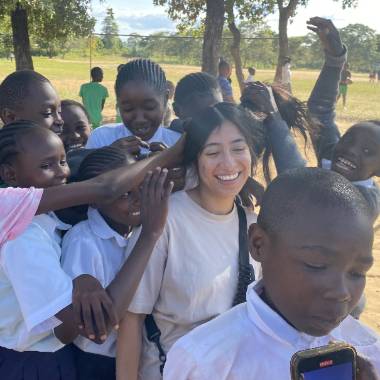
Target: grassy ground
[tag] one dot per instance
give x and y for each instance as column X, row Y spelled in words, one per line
column 363, row 104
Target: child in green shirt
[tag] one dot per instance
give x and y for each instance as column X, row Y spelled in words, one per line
column 93, row 96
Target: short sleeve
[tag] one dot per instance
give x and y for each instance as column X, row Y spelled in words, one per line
column 148, row 291
column 18, row 207
column 180, row 365
column 81, row 256
column 32, row 266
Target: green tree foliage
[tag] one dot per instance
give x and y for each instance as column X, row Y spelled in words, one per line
column 110, row 29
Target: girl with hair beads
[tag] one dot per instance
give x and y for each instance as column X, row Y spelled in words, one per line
column 188, row 280
column 37, row 296
column 142, row 96
column 99, row 245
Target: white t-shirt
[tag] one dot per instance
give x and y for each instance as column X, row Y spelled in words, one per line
column 191, row 276
column 252, row 342
column 109, row 133
column 286, row 74
column 33, row 287
column 93, row 247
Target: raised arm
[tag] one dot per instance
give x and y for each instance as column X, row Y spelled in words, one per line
column 323, row 97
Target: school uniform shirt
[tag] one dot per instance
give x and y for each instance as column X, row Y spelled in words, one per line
column 226, row 87
column 191, row 276
column 93, row 247
column 33, row 287
column 369, row 189
column 18, row 208
column 109, row 133
column 252, row 342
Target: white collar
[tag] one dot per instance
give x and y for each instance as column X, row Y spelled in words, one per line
column 369, row 183
column 272, row 324
column 50, row 223
column 100, row 228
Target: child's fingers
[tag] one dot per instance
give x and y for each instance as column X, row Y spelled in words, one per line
column 77, row 309
column 98, row 314
column 145, row 189
column 313, row 29
column 160, row 185
column 168, row 189
column 87, row 320
column 110, row 310
column 153, row 184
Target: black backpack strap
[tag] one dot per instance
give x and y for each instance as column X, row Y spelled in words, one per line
column 154, row 334
column 246, row 272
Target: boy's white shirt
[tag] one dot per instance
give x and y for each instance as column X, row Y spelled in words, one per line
column 33, row 287
column 109, row 133
column 252, row 342
column 93, row 247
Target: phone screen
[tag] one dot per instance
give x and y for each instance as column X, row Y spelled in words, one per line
column 342, row 371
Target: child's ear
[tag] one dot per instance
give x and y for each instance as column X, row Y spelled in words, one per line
column 257, row 240
column 8, row 116
column 8, row 174
column 176, row 109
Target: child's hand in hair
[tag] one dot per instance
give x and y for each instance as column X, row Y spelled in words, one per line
column 92, row 305
column 261, row 97
column 130, row 144
column 251, row 189
column 365, row 369
column 154, row 202
column 328, row 35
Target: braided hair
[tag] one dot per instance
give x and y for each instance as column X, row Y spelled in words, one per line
column 195, row 84
column 102, row 160
column 17, row 87
column 10, row 137
column 143, row 70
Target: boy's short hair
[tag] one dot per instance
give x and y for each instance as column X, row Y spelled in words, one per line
column 291, row 193
column 16, row 87
column 223, row 65
column 74, row 103
column 96, row 73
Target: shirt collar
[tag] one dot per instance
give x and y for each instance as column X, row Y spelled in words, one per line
column 271, row 323
column 100, row 228
column 326, row 164
column 50, row 223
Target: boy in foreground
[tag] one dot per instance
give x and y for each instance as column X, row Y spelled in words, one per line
column 314, row 239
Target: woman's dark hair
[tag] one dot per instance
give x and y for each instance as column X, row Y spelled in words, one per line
column 195, row 84
column 200, row 127
column 74, row 103
column 100, row 161
column 10, row 137
column 143, row 70
column 292, row 110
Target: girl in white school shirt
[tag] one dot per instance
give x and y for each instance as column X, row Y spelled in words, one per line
column 37, row 297
column 193, row 273
column 98, row 245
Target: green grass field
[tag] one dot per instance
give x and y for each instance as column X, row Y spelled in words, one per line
column 68, row 75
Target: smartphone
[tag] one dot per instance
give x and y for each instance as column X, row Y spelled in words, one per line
column 332, row 362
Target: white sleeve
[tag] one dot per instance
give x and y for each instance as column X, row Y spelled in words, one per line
column 150, row 285
column 32, row 266
column 94, row 141
column 181, row 366
column 80, row 255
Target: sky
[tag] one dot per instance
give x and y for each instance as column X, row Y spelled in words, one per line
column 142, row 17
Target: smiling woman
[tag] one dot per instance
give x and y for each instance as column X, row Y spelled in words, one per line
column 194, row 273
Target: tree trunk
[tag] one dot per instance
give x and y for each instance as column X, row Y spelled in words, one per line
column 212, row 39
column 235, row 51
column 21, row 43
column 283, row 48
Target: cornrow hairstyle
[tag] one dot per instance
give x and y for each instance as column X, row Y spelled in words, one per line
column 10, row 137
column 17, row 87
column 74, row 103
column 292, row 110
column 102, row 160
column 143, row 70
column 195, row 84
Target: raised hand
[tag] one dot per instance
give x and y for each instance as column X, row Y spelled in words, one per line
column 154, row 202
column 328, row 34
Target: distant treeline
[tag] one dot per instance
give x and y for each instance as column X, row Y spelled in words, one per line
column 261, row 52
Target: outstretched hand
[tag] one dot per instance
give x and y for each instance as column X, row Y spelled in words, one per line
column 328, row 34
